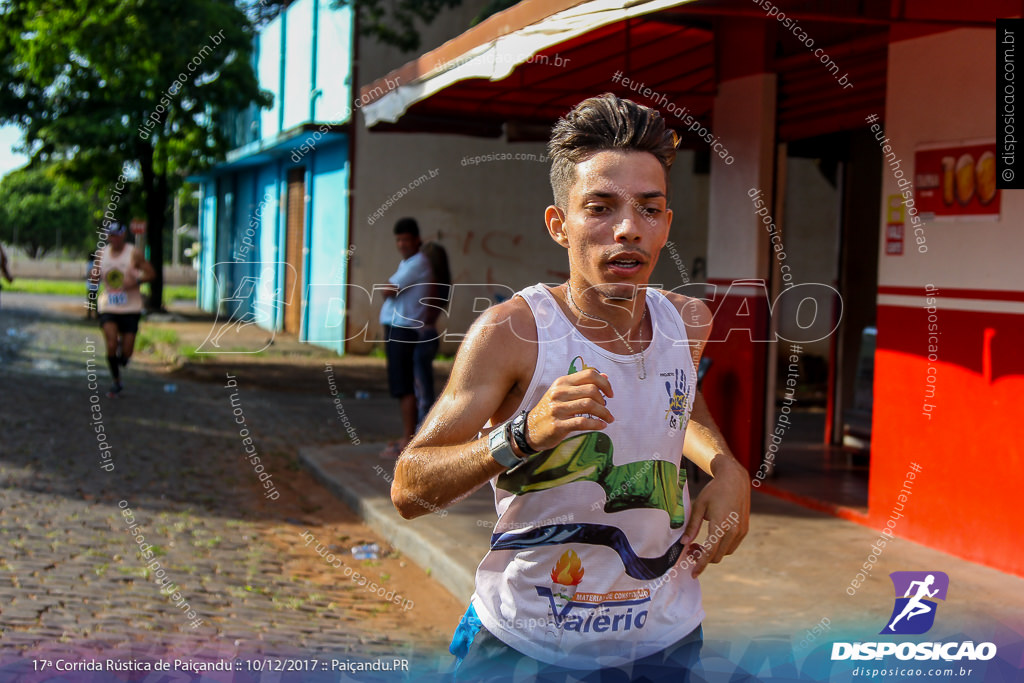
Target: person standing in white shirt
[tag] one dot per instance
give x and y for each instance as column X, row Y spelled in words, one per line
column 402, row 317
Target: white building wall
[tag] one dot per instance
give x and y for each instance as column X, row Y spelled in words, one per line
column 979, row 254
column 489, row 216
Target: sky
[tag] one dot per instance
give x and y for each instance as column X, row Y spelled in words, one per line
column 10, row 136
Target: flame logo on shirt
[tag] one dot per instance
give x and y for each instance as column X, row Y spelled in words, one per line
column 568, row 571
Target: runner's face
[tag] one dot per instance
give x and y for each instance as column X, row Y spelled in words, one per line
column 615, row 223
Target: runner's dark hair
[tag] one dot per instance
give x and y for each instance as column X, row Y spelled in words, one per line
column 605, row 122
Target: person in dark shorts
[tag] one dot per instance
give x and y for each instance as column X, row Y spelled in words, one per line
column 402, row 317
column 119, row 269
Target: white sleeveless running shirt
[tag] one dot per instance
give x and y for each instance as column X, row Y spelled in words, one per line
column 581, row 570
column 115, row 297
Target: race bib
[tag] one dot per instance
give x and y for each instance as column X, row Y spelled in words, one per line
column 117, row 298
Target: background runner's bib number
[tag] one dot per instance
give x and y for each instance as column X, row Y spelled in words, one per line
column 117, row 298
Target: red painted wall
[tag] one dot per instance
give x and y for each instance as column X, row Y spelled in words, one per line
column 734, row 386
column 966, row 500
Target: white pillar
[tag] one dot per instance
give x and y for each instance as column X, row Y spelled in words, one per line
column 744, row 120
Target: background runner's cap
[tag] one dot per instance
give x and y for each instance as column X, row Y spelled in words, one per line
column 116, row 228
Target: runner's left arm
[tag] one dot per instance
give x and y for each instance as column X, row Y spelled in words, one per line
column 143, row 266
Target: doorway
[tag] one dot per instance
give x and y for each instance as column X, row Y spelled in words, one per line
column 820, row 390
column 295, row 250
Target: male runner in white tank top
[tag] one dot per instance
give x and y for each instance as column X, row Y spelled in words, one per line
column 577, row 403
column 119, row 269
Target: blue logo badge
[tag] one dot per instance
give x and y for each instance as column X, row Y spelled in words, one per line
column 916, row 594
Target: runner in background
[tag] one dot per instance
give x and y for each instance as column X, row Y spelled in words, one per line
column 121, row 269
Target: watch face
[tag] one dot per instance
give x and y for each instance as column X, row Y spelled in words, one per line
column 498, row 443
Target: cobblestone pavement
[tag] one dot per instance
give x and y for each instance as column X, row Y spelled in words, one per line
column 239, row 580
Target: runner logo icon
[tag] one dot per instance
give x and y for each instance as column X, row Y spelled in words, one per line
column 914, row 614
column 916, row 594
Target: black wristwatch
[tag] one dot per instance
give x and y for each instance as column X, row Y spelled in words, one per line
column 519, row 434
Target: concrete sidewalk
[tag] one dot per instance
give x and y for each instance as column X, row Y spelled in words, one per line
column 448, row 543
column 791, row 574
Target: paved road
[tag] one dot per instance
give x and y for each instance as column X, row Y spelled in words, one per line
column 238, row 578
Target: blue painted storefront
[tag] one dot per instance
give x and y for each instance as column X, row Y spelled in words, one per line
column 303, row 57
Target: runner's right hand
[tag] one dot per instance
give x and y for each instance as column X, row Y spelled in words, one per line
column 573, row 403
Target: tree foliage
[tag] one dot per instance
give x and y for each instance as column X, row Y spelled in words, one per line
column 105, row 87
column 37, row 209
